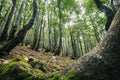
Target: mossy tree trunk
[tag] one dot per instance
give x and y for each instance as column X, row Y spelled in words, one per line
column 102, row 62
column 21, row 34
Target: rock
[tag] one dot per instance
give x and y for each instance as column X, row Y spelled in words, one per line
column 17, row 72
column 31, row 58
column 2, row 60
column 38, row 65
column 20, row 70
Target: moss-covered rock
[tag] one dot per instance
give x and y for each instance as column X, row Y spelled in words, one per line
column 19, row 70
column 38, row 65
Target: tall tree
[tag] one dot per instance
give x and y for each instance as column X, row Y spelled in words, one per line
column 57, row 51
column 109, row 12
column 101, row 63
column 4, row 51
column 4, row 34
column 14, row 27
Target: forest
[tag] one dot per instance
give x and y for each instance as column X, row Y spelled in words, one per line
column 59, row 39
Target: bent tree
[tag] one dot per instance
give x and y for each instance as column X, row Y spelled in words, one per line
column 108, row 11
column 4, row 51
column 101, row 63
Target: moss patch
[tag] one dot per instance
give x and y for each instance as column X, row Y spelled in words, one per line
column 55, row 76
column 35, row 78
column 4, row 67
column 72, row 75
column 19, row 70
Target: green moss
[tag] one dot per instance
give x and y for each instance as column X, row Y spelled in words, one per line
column 18, row 75
column 24, row 64
column 17, row 69
column 1, row 63
column 5, row 67
column 17, row 59
column 56, row 76
column 71, row 75
column 35, row 78
column 38, row 65
column 38, row 71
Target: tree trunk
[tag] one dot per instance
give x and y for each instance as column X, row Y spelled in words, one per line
column 95, row 29
column 1, row 6
column 21, row 34
column 4, row 34
column 14, row 27
column 107, row 11
column 37, row 46
column 49, row 31
column 101, row 63
column 43, row 35
column 2, row 20
column 58, row 50
column 74, row 51
column 55, row 40
column 35, row 35
column 80, row 44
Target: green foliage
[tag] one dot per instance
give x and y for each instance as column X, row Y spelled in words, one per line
column 78, row 16
column 68, row 4
column 5, row 67
column 89, row 5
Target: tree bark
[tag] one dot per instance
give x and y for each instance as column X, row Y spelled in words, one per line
column 49, row 31
column 14, row 27
column 102, row 62
column 4, row 34
column 4, row 51
column 2, row 20
column 35, row 35
column 37, row 46
column 74, row 50
column 58, row 50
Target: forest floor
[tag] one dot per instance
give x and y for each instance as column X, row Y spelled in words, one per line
column 26, row 64
column 45, row 58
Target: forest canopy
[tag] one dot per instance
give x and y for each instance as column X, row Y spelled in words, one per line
column 70, row 28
